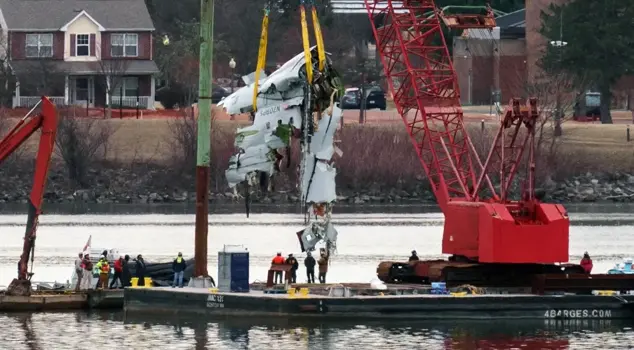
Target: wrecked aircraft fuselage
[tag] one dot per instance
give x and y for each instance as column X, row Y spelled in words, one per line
column 288, row 107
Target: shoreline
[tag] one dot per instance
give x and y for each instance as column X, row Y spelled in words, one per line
column 143, row 188
column 149, row 162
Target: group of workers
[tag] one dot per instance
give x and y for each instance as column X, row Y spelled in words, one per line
column 121, row 277
column 309, row 264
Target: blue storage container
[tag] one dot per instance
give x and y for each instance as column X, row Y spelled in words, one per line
column 439, row 288
column 439, row 285
column 233, row 269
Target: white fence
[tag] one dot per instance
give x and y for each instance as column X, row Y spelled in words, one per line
column 130, row 101
column 117, row 101
column 30, row 101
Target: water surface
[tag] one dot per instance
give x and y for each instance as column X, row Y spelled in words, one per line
column 364, row 240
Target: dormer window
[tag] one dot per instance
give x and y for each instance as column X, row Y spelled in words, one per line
column 82, row 45
column 124, row 45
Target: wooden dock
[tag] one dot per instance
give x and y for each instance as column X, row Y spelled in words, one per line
column 60, row 301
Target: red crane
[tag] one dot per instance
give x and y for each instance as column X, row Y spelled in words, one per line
column 46, row 120
column 484, row 229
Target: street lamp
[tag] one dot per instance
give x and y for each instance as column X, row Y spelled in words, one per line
column 232, row 65
column 559, row 44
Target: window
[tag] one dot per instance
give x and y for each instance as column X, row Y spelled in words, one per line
column 130, row 86
column 124, row 45
column 82, row 45
column 39, row 45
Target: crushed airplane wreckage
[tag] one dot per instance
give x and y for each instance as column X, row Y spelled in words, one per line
column 287, row 108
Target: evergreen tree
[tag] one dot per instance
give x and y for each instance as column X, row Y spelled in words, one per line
column 599, row 43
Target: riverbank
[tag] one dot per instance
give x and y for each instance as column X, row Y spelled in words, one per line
column 149, row 162
column 113, row 186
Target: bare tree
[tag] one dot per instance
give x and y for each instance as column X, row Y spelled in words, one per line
column 183, row 141
column 185, row 73
column 6, row 76
column 81, row 142
column 40, row 77
column 557, row 97
column 113, row 71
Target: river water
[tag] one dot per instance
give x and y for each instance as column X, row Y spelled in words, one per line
column 364, row 240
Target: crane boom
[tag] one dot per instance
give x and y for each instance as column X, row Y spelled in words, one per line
column 420, row 73
column 46, row 120
column 482, row 224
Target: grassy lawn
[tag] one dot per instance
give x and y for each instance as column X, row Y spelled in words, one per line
column 584, row 147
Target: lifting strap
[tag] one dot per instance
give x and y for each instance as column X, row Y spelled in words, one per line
column 306, row 42
column 261, row 56
column 321, row 51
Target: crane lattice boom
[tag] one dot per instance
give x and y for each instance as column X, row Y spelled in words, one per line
column 421, row 77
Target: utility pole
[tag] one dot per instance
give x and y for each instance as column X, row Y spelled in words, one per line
column 559, row 44
column 204, row 143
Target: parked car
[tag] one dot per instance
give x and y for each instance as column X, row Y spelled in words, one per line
column 351, row 99
column 375, row 98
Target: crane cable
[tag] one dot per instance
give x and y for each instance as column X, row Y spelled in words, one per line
column 261, row 55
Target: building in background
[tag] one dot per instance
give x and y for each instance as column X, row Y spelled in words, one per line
column 491, row 64
column 80, row 52
column 482, row 69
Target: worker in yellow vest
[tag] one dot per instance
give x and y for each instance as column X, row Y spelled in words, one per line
column 104, row 271
column 178, row 266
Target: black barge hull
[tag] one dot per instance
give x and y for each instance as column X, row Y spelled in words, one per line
column 200, row 302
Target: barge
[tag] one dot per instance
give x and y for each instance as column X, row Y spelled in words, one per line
column 543, row 296
column 205, row 302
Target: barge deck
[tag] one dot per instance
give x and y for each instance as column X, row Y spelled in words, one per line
column 203, row 302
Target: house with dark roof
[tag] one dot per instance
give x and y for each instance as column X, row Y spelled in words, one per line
column 80, row 52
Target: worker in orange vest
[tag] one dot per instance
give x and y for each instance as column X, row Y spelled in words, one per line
column 278, row 260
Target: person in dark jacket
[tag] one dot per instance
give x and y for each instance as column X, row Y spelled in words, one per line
column 178, row 266
column 310, row 263
column 125, row 271
column 414, row 257
column 294, row 266
column 140, row 270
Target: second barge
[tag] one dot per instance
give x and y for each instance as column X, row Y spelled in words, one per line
column 63, row 301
